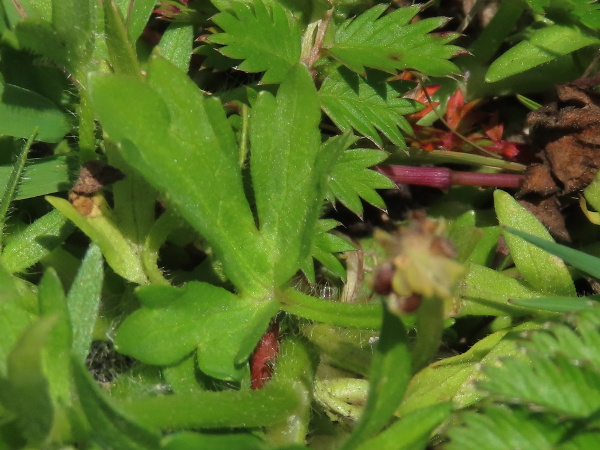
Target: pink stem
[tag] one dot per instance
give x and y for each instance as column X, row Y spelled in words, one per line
column 444, row 178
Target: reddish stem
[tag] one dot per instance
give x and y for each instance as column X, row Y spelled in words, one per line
column 264, row 355
column 444, row 178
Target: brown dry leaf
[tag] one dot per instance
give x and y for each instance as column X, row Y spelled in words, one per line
column 567, row 134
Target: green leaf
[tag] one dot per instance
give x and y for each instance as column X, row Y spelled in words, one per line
column 542, row 46
column 26, row 391
column 119, row 252
column 557, row 304
column 84, row 300
column 249, row 35
column 486, row 292
column 36, row 241
column 353, row 102
column 544, row 272
column 176, row 321
column 57, row 348
column 453, row 379
column 280, row 401
column 323, row 246
column 14, row 317
column 54, row 36
column 44, row 176
column 288, row 170
column 189, row 154
column 391, row 43
column 21, row 111
column 505, row 429
column 120, row 50
column 586, row 263
column 111, row 427
column 548, row 396
column 412, row 431
column 390, row 374
column 176, row 44
column 351, row 179
column 136, row 14
column 192, row 441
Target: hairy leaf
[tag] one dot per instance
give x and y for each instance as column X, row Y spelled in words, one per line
column 390, row 43
column 390, row 374
column 289, row 169
column 112, row 427
column 176, row 321
column 354, row 102
column 190, row 154
column 265, row 37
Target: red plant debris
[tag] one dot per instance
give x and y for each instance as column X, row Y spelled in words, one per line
column 462, row 119
column 264, row 355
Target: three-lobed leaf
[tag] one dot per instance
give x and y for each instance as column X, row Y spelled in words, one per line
column 190, row 155
column 176, row 321
column 289, row 169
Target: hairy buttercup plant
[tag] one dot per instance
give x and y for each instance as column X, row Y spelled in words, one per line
column 190, row 186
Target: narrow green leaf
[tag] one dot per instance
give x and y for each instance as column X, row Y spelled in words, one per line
column 136, row 14
column 192, row 441
column 120, row 49
column 542, row 46
column 26, row 391
column 36, row 241
column 390, row 374
column 557, row 304
column 190, row 154
column 248, row 35
column 176, row 321
column 57, row 352
column 84, row 300
column 120, row 255
column 545, row 272
column 391, row 43
column 176, row 44
column 12, row 184
column 14, row 317
column 111, row 427
column 412, row 431
column 44, row 176
column 21, row 111
column 287, row 174
column 587, row 263
column 353, row 102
